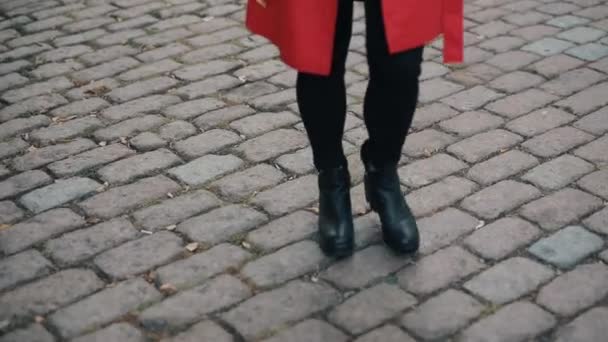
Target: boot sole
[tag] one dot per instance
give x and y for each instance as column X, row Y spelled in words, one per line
column 337, row 250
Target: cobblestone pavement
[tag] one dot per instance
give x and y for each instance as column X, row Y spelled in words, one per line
column 156, row 182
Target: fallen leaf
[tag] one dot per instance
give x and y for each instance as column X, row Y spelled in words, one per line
column 97, row 91
column 480, row 224
column 168, row 288
column 4, row 226
column 191, row 247
column 171, row 227
column 314, row 210
column 147, row 232
column 170, row 195
column 246, row 245
column 102, row 143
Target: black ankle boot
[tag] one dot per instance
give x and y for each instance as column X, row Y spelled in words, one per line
column 383, row 193
column 336, row 233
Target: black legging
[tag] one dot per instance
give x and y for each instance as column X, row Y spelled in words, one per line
column 390, row 101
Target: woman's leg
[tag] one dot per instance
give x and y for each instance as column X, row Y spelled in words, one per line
column 392, row 92
column 322, row 99
column 388, row 111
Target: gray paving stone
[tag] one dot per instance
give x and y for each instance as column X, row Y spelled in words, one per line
column 142, row 88
column 89, row 159
column 309, row 330
column 547, row 46
column 220, row 224
column 509, row 280
column 516, row 81
column 558, row 172
column 50, row 293
column 521, row 103
column 240, row 185
column 12, row 147
column 427, row 142
column 80, row 108
column 264, row 312
column 152, row 103
column 147, row 141
column 103, row 70
column 594, row 123
column 208, row 86
column 588, row 327
column 500, row 198
column 502, row 237
column 116, row 201
column 539, row 121
column 127, row 169
column 426, row 171
column 189, row 306
column 33, row 333
column 260, row 123
column 23, row 182
column 206, row 331
column 84, row 243
column 512, row 60
column 207, row 142
column 285, row 230
column 439, row 195
column 37, row 104
column 22, row 267
column 371, row 307
column 301, row 161
column 560, row 208
column 586, row 100
column 482, row 145
column 598, row 221
column 191, row 109
column 364, row 267
column 442, row 315
column 519, row 321
column 103, row 307
column 289, row 196
column 115, row 332
column 38, row 228
column 565, row 295
column 593, row 151
column 200, row 267
column 108, row 54
column 175, row 210
column 222, row 116
column 21, row 125
column 49, row 154
column 168, row 50
column 139, row 255
column 556, row 141
column 471, row 99
column 95, row 87
column 573, row 81
column 589, row 52
column 129, row 127
column 206, row 168
column 567, row 247
column 555, row 65
column 203, row 70
column 285, row 264
column 176, row 130
column 272, row 144
column 501, row 166
column 567, row 21
column 438, row 270
column 443, row 228
column 387, row 333
column 60, row 192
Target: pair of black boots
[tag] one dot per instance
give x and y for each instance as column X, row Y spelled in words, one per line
column 383, row 193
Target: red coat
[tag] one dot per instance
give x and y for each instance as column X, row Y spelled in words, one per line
column 303, row 30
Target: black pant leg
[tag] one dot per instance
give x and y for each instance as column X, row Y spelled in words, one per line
column 322, row 99
column 392, row 92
